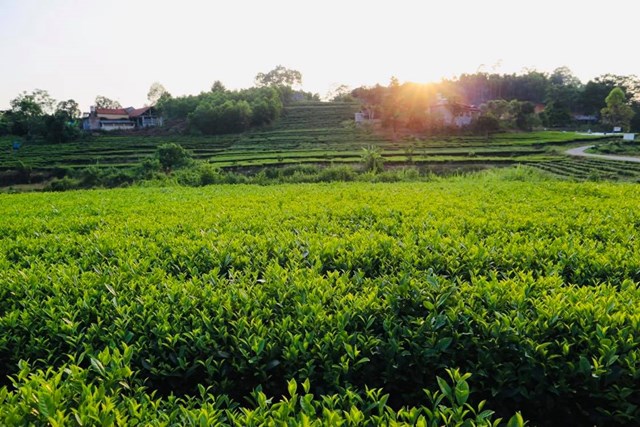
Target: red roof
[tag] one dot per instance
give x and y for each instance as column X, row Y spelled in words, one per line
column 138, row 111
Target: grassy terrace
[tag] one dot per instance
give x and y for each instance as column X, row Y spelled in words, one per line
column 583, row 169
column 308, row 133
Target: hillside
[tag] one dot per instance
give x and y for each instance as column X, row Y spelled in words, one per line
column 318, row 133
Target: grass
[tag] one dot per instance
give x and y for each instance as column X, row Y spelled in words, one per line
column 617, row 147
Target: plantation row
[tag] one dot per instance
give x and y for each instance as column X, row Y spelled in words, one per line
column 583, row 168
column 173, row 306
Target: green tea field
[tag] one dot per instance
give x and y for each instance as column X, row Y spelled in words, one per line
column 479, row 300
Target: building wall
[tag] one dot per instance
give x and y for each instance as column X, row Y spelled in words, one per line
column 116, row 126
column 463, row 119
column 113, row 116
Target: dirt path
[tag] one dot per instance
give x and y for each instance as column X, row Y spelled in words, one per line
column 580, row 151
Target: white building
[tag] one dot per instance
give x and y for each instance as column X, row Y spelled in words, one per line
column 364, row 116
column 453, row 113
column 109, row 119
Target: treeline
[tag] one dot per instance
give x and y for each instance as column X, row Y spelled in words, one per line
column 224, row 111
column 220, row 110
column 37, row 116
column 512, row 99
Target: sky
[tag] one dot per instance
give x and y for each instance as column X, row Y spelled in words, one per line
column 80, row 49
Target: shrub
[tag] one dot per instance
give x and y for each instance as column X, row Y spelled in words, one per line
column 172, row 156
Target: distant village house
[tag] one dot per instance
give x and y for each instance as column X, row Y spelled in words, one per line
column 364, row 116
column 454, row 114
column 109, row 119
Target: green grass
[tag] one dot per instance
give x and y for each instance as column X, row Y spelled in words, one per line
column 149, row 306
column 617, row 147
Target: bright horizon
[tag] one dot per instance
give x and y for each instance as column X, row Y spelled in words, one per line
column 79, row 50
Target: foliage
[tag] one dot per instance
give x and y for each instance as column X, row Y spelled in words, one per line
column 355, row 287
column 172, row 156
column 406, row 105
column 102, row 394
column 513, row 114
column 221, row 111
column 70, row 108
column 486, row 125
column 372, row 160
column 104, row 102
column 37, row 117
column 617, row 112
column 340, row 93
column 34, row 104
column 556, row 115
column 157, row 92
column 279, row 76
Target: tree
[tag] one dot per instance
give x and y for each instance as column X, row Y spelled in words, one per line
column 156, row 91
column 556, row 114
column 172, row 156
column 340, row 93
column 5, row 124
column 393, row 105
column 522, row 114
column 70, row 108
column 617, row 112
column 33, row 104
column 59, row 129
column 498, row 108
column 279, row 76
column 564, row 90
column 28, row 111
column 563, row 76
column 218, row 87
column 104, row 102
column 486, row 125
column 372, row 159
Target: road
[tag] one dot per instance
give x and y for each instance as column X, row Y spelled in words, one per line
column 580, row 151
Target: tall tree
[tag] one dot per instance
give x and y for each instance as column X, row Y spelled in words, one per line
column 156, row 91
column 339, row 93
column 279, row 76
column 33, row 104
column 393, row 106
column 69, row 107
column 617, row 112
column 104, row 102
column 564, row 90
column 218, row 87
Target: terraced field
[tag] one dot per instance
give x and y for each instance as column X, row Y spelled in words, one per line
column 584, row 168
column 319, row 133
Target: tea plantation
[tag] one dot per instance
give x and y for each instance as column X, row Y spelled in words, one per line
column 334, row 304
column 309, row 133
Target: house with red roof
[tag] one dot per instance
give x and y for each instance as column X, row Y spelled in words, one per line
column 109, row 119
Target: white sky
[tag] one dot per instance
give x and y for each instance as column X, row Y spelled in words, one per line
column 80, row 49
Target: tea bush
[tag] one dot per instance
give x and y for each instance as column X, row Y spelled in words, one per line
column 204, row 305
